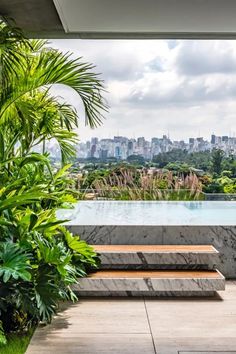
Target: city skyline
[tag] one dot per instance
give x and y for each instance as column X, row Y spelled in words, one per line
column 122, row 147
column 168, row 134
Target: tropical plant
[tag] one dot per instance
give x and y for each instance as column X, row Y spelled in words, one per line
column 40, row 260
column 28, row 70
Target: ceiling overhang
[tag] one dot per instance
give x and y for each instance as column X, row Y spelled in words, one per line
column 123, row 18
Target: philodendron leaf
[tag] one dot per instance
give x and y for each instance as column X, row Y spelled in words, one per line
column 78, row 245
column 13, row 263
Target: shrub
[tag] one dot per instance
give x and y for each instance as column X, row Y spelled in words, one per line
column 39, row 259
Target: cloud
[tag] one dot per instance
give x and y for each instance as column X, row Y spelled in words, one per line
column 171, row 90
column 205, row 57
column 184, row 87
column 117, row 59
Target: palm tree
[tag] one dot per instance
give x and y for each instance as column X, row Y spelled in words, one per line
column 29, row 114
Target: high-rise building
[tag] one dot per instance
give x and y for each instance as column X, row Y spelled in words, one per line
column 118, row 152
column 213, row 139
column 141, row 141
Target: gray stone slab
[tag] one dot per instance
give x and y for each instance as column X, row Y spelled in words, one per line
column 154, row 294
column 119, row 234
column 150, row 284
column 223, row 238
column 159, row 260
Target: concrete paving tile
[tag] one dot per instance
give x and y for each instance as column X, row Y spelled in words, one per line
column 188, row 324
column 195, row 345
column 94, row 344
column 230, row 291
column 101, row 316
column 121, row 326
column 193, row 317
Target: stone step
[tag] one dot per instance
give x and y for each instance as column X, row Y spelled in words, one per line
column 152, row 283
column 157, row 256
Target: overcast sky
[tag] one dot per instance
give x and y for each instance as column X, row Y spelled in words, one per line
column 186, row 88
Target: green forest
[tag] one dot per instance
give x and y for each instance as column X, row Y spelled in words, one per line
column 212, row 172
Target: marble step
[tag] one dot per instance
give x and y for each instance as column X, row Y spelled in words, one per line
column 157, row 256
column 153, row 283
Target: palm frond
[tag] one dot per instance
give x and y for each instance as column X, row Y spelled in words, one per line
column 50, row 67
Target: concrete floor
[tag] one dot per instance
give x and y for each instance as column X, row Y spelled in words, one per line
column 142, row 326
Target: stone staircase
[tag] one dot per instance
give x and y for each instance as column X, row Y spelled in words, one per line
column 154, row 270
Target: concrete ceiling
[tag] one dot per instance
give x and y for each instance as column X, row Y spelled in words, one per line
column 123, row 18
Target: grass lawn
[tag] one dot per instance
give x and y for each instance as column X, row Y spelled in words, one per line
column 16, row 343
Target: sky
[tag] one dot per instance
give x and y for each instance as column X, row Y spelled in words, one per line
column 184, row 88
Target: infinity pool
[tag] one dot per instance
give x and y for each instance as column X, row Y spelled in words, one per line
column 151, row 213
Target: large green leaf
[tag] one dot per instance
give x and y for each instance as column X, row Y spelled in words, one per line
column 14, row 263
column 77, row 245
column 23, row 199
column 46, row 293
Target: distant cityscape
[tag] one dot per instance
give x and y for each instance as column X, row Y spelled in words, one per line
column 121, row 147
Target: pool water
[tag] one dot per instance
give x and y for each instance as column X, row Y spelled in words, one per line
column 150, row 213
